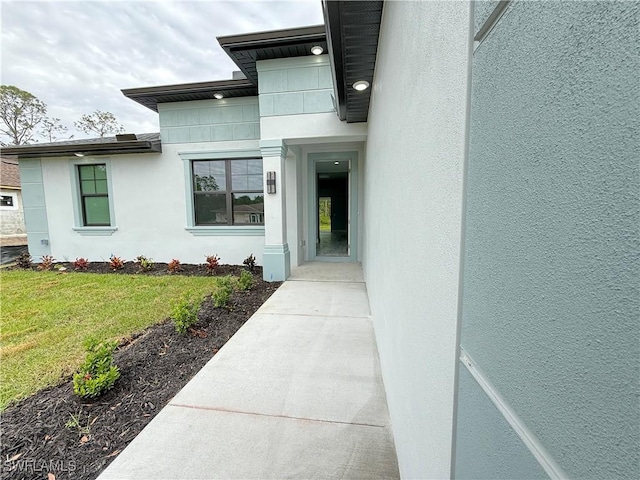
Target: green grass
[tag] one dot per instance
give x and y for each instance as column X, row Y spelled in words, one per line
column 45, row 318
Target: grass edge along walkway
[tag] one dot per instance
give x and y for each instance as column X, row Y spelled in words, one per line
column 46, row 317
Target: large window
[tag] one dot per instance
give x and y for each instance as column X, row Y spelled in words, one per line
column 228, row 192
column 94, row 196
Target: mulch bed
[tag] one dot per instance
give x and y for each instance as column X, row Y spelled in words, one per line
column 154, row 365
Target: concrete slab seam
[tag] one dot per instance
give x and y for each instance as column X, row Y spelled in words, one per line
column 366, row 317
column 226, row 410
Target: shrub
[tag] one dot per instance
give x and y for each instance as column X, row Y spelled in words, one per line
column 81, row 264
column 250, row 262
column 98, row 373
column 245, row 282
column 146, row 264
column 116, row 263
column 223, row 293
column 212, row 263
column 24, row 260
column 174, row 266
column 184, row 312
column 47, row 263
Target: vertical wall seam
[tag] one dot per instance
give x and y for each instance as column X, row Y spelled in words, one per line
column 463, row 214
column 529, row 439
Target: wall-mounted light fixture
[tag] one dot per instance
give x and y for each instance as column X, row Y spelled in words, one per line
column 218, row 96
column 79, row 154
column 271, row 182
column 317, row 50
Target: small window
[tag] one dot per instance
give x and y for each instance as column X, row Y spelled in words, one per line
column 228, row 192
column 6, row 201
column 94, row 196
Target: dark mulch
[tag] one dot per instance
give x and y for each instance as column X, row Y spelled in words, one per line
column 155, row 365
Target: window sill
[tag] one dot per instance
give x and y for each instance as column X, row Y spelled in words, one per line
column 95, row 231
column 225, row 231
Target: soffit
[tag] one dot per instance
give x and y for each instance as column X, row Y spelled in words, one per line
column 353, row 28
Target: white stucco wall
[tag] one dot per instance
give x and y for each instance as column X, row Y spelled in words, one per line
column 414, row 157
column 150, row 211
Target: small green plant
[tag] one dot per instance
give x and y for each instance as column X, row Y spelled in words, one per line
column 146, row 264
column 24, row 260
column 74, row 423
column 47, row 263
column 184, row 312
column 98, row 373
column 174, row 266
column 250, row 262
column 116, row 263
column 81, row 264
column 245, row 281
column 212, row 263
column 223, row 293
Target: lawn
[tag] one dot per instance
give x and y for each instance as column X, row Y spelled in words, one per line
column 45, row 318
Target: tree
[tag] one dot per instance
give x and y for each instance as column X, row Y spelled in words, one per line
column 52, row 129
column 100, row 123
column 20, row 113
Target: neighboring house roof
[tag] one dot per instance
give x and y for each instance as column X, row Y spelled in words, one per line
column 9, row 173
column 249, row 208
column 126, row 143
column 349, row 36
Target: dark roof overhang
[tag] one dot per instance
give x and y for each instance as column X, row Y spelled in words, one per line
column 353, row 28
column 248, row 48
column 186, row 92
column 146, row 143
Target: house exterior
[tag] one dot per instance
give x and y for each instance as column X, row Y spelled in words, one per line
column 12, row 228
column 505, row 300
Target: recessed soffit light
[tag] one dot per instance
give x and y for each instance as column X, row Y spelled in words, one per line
column 218, row 96
column 317, row 50
column 336, row 163
column 361, row 85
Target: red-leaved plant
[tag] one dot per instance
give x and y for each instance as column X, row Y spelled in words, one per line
column 174, row 266
column 81, row 264
column 212, row 263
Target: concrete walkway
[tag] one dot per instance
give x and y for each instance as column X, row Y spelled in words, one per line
column 295, row 393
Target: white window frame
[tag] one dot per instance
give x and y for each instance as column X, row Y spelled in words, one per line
column 14, row 197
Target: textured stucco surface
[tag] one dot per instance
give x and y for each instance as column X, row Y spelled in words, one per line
column 482, row 11
column 34, row 207
column 414, row 156
column 149, row 221
column 486, row 445
column 551, row 300
column 298, row 85
column 222, row 120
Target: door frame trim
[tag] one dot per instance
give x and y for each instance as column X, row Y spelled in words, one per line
column 312, row 159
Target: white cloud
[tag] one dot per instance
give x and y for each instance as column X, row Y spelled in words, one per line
column 77, row 55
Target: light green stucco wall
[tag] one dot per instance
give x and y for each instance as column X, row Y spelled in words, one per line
column 209, row 120
column 292, row 86
column 487, row 447
column 550, row 286
column 35, row 210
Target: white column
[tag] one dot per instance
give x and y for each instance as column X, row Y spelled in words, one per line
column 276, row 256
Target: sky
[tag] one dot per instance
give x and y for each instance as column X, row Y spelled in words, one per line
column 76, row 56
